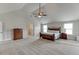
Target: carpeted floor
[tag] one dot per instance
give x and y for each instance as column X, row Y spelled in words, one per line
column 39, row 47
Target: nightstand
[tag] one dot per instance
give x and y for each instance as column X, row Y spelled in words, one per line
column 63, row 36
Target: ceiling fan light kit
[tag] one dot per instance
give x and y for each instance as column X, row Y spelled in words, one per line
column 40, row 13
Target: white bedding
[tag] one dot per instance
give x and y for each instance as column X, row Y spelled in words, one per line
column 57, row 35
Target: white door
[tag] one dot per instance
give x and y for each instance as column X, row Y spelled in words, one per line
column 1, row 34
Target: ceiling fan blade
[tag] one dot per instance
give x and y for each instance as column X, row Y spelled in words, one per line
column 44, row 15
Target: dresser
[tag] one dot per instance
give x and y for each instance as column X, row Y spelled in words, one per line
column 17, row 33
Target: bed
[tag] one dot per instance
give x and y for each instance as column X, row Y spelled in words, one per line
column 52, row 34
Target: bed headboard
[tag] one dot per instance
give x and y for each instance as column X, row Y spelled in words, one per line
column 55, row 29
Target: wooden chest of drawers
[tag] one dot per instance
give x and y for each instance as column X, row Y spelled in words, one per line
column 17, row 33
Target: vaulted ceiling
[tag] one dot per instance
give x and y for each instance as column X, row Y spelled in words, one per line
column 55, row 11
column 8, row 7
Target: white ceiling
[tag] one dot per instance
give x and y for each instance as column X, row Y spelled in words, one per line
column 63, row 12
column 55, row 11
column 8, row 7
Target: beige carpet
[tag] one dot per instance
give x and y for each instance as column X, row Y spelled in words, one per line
column 39, row 47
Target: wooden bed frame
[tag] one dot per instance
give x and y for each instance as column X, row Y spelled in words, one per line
column 48, row 36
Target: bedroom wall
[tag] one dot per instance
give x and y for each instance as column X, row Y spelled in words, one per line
column 10, row 22
column 75, row 27
column 38, row 25
column 19, row 19
column 14, row 20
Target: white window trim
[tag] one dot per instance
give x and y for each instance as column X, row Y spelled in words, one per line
column 69, row 28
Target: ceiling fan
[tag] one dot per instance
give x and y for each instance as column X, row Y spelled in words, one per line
column 40, row 12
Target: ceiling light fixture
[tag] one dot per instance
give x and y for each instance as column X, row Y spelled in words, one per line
column 40, row 12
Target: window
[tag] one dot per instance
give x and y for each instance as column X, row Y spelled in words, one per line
column 68, row 28
column 44, row 28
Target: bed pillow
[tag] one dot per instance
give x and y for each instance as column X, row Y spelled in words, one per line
column 52, row 31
